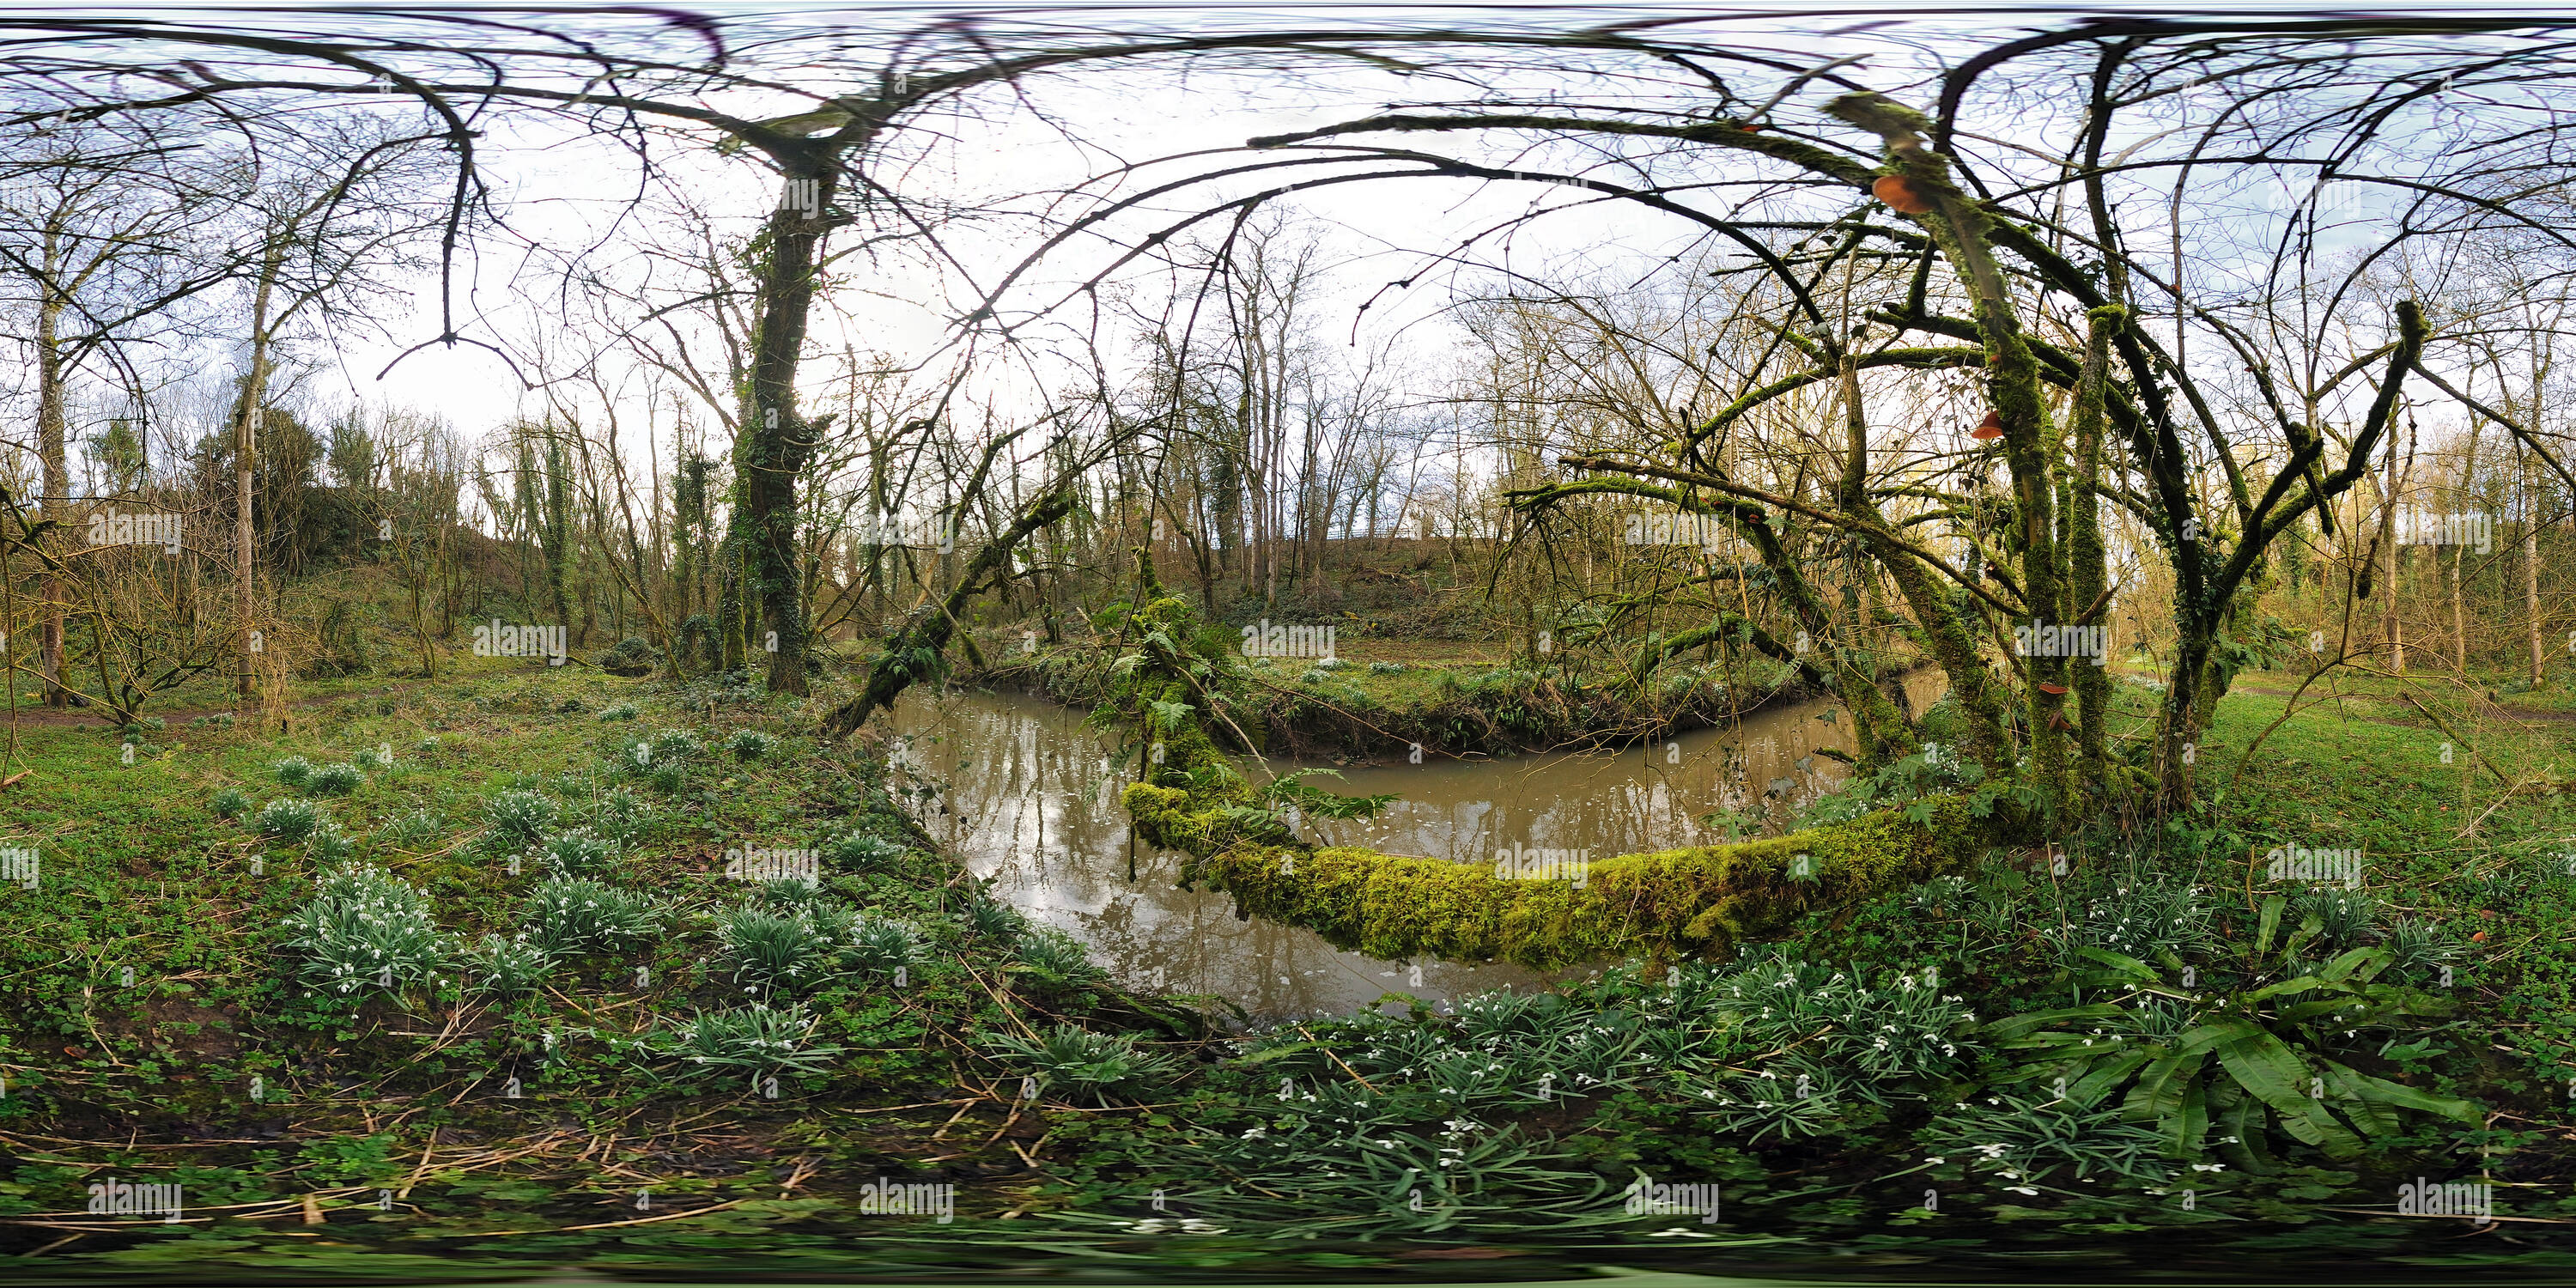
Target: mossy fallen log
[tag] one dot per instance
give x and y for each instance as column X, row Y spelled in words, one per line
column 1697, row 902
column 1667, row 905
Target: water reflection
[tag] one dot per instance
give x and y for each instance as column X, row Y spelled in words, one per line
column 1028, row 798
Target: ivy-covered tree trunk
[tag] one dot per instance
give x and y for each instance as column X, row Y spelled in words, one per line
column 775, row 440
column 2089, row 580
column 554, row 529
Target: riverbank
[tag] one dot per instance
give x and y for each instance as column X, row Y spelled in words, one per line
column 1052, row 1119
column 1378, row 700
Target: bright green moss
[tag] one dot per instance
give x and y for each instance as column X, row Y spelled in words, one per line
column 1697, row 902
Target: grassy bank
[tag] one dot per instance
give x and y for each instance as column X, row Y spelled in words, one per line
column 1377, row 698
column 919, row 1033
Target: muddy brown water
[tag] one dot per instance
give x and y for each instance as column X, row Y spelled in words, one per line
column 1027, row 796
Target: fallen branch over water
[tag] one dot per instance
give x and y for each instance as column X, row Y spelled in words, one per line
column 1694, row 902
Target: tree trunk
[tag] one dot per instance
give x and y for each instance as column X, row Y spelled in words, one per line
column 775, row 440
column 50, row 433
column 2086, row 571
column 2459, row 623
column 2390, row 629
column 2531, row 599
column 245, row 448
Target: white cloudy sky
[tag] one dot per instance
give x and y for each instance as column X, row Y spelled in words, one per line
column 560, row 193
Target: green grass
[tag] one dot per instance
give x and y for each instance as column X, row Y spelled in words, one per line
column 403, row 1089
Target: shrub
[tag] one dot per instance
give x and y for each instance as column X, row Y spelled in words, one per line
column 1081, row 1060
column 365, row 927
column 859, row 852
column 516, row 820
column 288, row 819
column 567, row 918
column 884, row 945
column 2343, row 918
column 772, row 950
column 230, row 803
column 2027, row 1139
column 506, row 967
column 752, row 745
column 674, row 745
column 631, row 657
column 991, row 918
column 761, row 1041
column 621, row 817
column 328, row 846
column 1056, row 958
column 668, row 778
column 334, row 780
column 1794, row 1099
column 417, row 830
column 2419, row 947
column 294, row 771
column 575, row 853
column 792, row 892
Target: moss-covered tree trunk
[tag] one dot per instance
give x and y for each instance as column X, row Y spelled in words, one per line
column 2085, row 557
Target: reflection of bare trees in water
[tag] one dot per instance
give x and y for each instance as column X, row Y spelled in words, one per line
column 1028, row 812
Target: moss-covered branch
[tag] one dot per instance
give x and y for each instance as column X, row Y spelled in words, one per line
column 1694, row 902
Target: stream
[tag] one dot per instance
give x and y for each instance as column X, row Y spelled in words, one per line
column 1028, row 797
